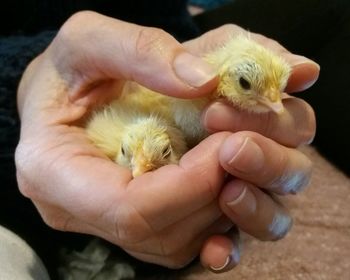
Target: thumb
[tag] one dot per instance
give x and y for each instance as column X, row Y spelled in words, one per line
column 91, row 47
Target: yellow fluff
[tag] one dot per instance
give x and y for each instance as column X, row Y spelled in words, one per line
column 144, row 130
column 138, row 137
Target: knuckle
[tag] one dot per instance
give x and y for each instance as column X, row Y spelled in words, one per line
column 22, row 166
column 308, row 133
column 24, row 187
column 231, row 29
column 74, row 23
column 149, row 40
column 208, row 187
column 56, row 222
column 20, row 154
column 72, row 38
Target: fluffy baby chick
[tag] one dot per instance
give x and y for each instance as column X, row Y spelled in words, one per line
column 144, row 130
column 135, row 137
column 251, row 78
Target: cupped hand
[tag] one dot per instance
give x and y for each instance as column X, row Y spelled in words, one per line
column 164, row 216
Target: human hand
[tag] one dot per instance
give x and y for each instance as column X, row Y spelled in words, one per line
column 263, row 164
column 73, row 185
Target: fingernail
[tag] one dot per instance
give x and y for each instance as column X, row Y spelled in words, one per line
column 280, row 225
column 235, row 195
column 239, row 199
column 223, row 266
column 306, row 68
column 308, row 85
column 231, row 260
column 193, row 70
column 214, row 114
column 309, row 142
column 244, row 155
column 299, row 59
column 291, row 183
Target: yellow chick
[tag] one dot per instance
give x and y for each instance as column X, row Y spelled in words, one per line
column 251, row 78
column 144, row 130
column 135, row 137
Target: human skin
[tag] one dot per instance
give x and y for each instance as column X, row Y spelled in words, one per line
column 177, row 212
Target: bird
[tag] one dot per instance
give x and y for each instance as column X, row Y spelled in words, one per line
column 137, row 137
column 144, row 130
column 250, row 77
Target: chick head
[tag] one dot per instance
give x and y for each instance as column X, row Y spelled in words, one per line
column 251, row 76
column 150, row 143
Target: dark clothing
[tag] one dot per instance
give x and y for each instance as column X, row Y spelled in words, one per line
column 35, row 16
column 319, row 29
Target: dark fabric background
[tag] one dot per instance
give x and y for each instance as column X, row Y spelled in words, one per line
column 35, row 15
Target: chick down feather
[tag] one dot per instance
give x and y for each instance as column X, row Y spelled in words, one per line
column 144, row 130
column 136, row 134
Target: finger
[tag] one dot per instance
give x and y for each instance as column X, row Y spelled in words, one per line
column 213, row 39
column 178, row 190
column 304, row 74
column 221, row 253
column 107, row 48
column 261, row 161
column 106, row 195
column 294, row 127
column 254, row 211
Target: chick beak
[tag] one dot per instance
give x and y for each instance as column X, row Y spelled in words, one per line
column 272, row 100
column 140, row 167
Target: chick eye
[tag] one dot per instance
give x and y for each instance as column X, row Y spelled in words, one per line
column 166, row 152
column 122, row 150
column 244, row 83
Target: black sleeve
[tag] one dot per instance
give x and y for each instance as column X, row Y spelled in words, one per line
column 31, row 16
column 15, row 53
column 17, row 213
